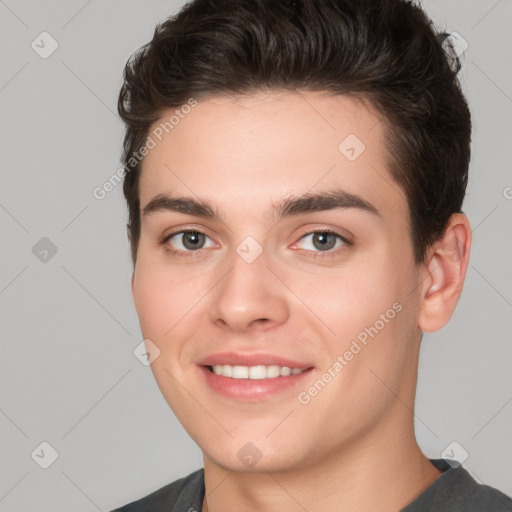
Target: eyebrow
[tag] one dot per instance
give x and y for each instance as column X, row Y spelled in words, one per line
column 291, row 206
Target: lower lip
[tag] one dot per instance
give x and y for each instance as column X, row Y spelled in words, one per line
column 251, row 390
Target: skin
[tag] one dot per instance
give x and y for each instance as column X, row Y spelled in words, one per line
column 353, row 445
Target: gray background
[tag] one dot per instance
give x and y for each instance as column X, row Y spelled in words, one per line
column 69, row 376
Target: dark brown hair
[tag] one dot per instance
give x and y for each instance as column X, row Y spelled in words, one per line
column 386, row 52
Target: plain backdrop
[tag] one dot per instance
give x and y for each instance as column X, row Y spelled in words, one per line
column 69, row 375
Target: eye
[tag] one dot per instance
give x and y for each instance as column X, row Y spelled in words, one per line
column 323, row 241
column 187, row 241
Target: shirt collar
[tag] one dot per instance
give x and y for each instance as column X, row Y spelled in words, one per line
column 190, row 498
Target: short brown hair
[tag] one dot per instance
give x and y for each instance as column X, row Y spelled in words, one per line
column 386, row 52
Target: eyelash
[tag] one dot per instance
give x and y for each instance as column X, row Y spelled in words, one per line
column 313, row 254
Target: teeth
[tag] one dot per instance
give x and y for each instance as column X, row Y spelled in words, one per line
column 255, row 372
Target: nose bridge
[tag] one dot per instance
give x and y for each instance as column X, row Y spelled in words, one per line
column 249, row 293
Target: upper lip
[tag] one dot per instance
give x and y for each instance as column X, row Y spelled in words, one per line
column 254, row 359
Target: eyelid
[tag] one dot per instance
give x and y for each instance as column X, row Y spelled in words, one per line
column 166, row 237
column 346, row 242
column 312, row 231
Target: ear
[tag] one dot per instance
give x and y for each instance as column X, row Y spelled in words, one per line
column 443, row 274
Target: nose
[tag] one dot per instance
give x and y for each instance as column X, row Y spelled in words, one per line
column 249, row 296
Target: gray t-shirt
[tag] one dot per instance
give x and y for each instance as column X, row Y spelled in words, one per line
column 455, row 490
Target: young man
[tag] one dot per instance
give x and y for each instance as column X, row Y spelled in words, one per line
column 295, row 172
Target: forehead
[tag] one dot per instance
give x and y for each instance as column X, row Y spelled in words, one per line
column 255, row 149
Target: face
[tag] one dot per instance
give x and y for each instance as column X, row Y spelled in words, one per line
column 274, row 240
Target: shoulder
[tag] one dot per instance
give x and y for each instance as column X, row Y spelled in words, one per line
column 457, row 491
column 470, row 496
column 484, row 497
column 164, row 498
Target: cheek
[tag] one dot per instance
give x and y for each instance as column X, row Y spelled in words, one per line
column 369, row 314
column 163, row 297
column 347, row 299
column 376, row 332
column 152, row 300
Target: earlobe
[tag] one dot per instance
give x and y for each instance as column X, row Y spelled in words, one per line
column 443, row 275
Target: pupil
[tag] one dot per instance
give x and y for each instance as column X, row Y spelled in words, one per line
column 326, row 240
column 193, row 239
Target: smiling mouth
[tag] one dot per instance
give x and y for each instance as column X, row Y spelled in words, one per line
column 256, row 372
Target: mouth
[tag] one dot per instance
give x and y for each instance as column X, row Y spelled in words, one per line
column 257, row 383
column 253, row 377
column 256, row 372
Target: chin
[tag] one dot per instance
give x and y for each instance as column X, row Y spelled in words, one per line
column 251, row 458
